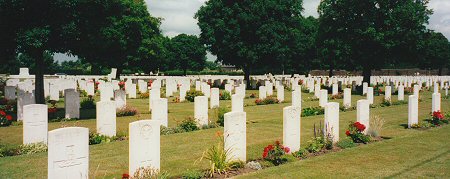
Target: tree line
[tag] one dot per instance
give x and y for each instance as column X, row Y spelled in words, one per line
column 258, row 36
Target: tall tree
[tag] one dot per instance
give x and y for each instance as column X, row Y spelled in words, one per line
column 35, row 28
column 376, row 32
column 186, row 52
column 436, row 51
column 114, row 33
column 250, row 33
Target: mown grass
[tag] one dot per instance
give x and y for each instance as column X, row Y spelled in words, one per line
column 264, row 125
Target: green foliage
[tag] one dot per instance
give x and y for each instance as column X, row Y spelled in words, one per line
column 254, row 34
column 126, row 111
column 312, row 111
column 370, row 34
column 225, row 95
column 346, row 143
column 301, row 154
column 217, row 157
column 192, row 174
column 88, row 103
column 320, row 141
column 9, row 150
column 96, row 138
column 150, row 173
column 267, row 100
column 275, row 153
column 33, row 148
column 220, row 115
column 356, row 132
column 186, row 52
column 188, row 125
column 191, row 94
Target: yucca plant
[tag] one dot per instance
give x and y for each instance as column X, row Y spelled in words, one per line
column 217, row 156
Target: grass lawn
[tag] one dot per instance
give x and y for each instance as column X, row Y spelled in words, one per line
column 410, row 153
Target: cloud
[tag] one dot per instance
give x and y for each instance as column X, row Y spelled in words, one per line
column 440, row 20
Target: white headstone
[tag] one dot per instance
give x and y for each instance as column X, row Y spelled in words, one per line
column 416, row 91
column 144, row 145
column 235, row 135
column 436, row 102
column 201, row 110
column 132, row 91
column 72, row 104
column 106, row 92
column 68, row 153
column 332, row 121
column 280, row 93
column 262, row 92
column 413, row 110
column 323, row 99
column 401, row 93
column 106, row 118
column 35, row 123
column 154, row 94
column 291, row 127
column 370, row 95
column 237, row 103
column 215, row 96
column 347, row 102
column 160, row 111
column 24, row 98
column 387, row 93
column 297, row 97
column 120, row 97
column 363, row 113
column 229, row 88
column 335, row 89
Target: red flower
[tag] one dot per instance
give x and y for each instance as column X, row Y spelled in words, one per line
column 125, row 176
column 9, row 117
column 438, row 115
column 265, row 154
column 270, row 147
column 359, row 126
column 2, row 113
column 286, row 149
column 347, row 133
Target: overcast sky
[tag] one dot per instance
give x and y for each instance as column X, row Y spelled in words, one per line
column 178, row 16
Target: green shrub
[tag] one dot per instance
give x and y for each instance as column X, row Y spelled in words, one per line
column 346, row 143
column 267, row 100
column 9, row 150
column 217, row 157
column 87, row 103
column 301, row 154
column 355, row 132
column 312, row 111
column 192, row 174
column 225, row 95
column 96, row 138
column 126, row 111
column 220, row 115
column 33, row 148
column 188, row 125
column 191, row 94
column 274, row 153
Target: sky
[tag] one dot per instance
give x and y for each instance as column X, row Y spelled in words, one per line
column 178, row 17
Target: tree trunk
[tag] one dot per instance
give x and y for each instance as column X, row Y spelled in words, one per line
column 185, row 71
column 119, row 71
column 247, row 72
column 330, row 73
column 367, row 72
column 440, row 71
column 39, row 95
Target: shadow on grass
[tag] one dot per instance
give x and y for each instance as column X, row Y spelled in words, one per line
column 409, row 169
column 404, row 125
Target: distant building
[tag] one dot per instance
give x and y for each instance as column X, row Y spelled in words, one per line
column 228, row 68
